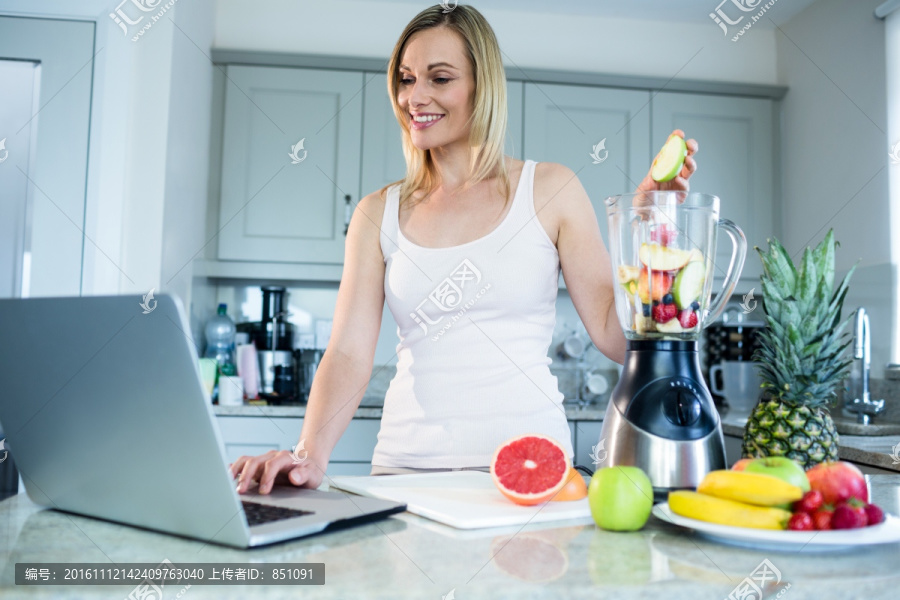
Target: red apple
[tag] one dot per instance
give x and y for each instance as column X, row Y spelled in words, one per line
column 741, row 464
column 838, row 481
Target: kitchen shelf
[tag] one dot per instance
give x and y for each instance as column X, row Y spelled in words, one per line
column 221, row 269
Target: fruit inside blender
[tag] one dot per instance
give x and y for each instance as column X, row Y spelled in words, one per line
column 664, row 292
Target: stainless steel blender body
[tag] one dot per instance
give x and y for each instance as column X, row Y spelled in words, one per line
column 661, row 416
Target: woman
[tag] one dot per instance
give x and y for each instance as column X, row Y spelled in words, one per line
column 466, row 250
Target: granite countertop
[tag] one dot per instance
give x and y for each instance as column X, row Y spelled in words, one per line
column 372, row 409
column 868, row 450
column 407, row 556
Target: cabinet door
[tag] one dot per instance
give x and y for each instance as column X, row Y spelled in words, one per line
column 256, row 435
column 735, row 162
column 587, row 435
column 563, row 124
column 382, row 156
column 732, row 448
column 279, row 204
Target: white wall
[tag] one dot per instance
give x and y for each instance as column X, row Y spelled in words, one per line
column 892, row 57
column 528, row 39
column 147, row 166
column 834, row 149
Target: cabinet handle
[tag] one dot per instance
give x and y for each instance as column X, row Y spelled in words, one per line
column 348, row 210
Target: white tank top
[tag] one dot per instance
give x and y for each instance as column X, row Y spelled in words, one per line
column 475, row 322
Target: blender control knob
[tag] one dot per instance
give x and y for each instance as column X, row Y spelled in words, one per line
column 682, row 407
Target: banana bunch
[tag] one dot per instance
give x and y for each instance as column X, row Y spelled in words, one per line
column 737, row 498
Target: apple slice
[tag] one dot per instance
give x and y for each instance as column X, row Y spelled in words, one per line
column 695, row 255
column 667, row 164
column 689, row 284
column 662, row 258
column 628, row 273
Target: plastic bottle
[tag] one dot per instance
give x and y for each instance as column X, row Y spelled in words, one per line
column 220, row 332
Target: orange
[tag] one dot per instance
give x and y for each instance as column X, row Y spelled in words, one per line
column 530, row 469
column 575, row 488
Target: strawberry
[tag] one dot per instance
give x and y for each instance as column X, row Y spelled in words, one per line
column 822, row 519
column 874, row 514
column 663, row 313
column 810, row 502
column 687, row 318
column 663, row 234
column 850, row 514
column 800, row 521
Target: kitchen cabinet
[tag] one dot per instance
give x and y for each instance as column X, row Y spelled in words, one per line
column 352, row 455
column 587, row 435
column 256, row 435
column 732, row 449
column 736, row 161
column 290, row 163
column 563, row 124
column 382, row 153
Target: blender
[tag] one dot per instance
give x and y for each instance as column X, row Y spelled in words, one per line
column 661, row 416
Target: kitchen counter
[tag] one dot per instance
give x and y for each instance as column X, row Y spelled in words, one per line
column 370, row 410
column 407, row 556
column 874, row 451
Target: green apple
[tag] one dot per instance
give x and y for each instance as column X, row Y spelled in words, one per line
column 667, row 164
column 689, row 284
column 620, row 498
column 781, row 467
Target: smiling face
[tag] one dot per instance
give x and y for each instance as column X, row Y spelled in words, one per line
column 437, row 88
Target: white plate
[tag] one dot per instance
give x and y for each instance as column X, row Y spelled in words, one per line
column 883, row 533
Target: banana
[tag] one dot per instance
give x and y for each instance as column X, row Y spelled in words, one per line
column 752, row 488
column 726, row 512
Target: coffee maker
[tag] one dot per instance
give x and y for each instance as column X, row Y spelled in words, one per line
column 273, row 337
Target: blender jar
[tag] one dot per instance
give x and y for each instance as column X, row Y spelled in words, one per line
column 662, row 245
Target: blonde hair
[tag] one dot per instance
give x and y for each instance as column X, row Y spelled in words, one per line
column 489, row 115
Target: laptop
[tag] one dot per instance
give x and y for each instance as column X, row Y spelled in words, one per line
column 105, row 412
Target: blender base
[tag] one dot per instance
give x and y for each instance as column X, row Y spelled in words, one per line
column 670, row 464
column 661, row 417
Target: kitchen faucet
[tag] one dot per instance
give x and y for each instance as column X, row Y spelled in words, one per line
column 864, row 407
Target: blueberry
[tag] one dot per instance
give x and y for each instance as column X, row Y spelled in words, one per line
column 656, row 303
column 646, row 310
column 695, row 305
column 668, row 299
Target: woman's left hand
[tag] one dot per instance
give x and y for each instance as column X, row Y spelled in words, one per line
column 680, row 182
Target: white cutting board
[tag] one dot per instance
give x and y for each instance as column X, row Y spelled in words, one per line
column 461, row 499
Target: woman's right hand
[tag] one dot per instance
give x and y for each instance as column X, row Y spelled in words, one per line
column 275, row 467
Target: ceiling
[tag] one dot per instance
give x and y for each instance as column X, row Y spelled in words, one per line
column 696, row 11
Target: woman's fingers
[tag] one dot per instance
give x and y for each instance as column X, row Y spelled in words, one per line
column 689, row 168
column 251, row 468
column 272, row 468
column 692, row 146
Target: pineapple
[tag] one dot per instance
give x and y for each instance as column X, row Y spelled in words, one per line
column 801, row 356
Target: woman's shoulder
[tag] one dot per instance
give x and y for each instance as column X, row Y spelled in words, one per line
column 373, row 204
column 550, row 172
column 553, row 180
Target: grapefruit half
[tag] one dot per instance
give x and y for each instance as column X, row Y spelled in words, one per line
column 530, row 469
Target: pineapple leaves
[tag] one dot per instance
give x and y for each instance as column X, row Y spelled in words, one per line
column 806, row 289
column 802, row 349
column 824, row 257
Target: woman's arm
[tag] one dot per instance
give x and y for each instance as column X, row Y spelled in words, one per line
column 583, row 258
column 343, row 374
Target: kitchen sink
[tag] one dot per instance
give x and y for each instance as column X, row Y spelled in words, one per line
column 849, row 426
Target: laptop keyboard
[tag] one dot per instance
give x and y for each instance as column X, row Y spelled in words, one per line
column 257, row 513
